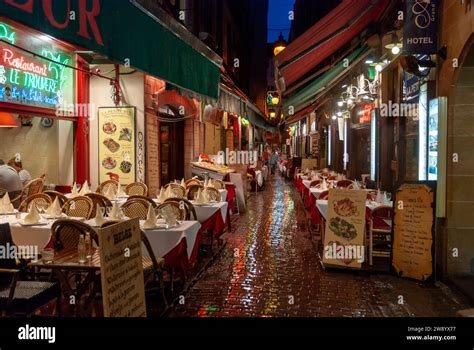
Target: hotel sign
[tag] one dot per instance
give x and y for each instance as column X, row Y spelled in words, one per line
column 421, row 27
column 42, row 80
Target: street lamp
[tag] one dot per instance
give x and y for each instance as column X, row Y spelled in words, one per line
column 279, row 45
column 395, row 45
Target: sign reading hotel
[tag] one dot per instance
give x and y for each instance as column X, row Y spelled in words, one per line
column 420, row 34
column 42, row 80
column 117, row 144
column 121, row 270
column 413, row 231
column 345, row 229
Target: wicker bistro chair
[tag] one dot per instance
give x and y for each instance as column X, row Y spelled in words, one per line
column 192, row 191
column 137, row 189
column 79, row 207
column 323, row 195
column 372, row 195
column 178, row 190
column 145, row 198
column 188, row 206
column 214, row 195
column 66, row 233
column 218, row 184
column 54, row 194
column 103, row 187
column 380, row 234
column 136, row 208
column 33, row 187
column 192, row 182
column 176, row 207
column 152, row 266
column 40, row 200
column 99, row 201
column 345, row 184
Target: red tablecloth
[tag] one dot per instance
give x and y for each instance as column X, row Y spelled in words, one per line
column 214, row 223
column 231, row 197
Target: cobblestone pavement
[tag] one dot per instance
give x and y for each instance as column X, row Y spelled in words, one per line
column 270, row 267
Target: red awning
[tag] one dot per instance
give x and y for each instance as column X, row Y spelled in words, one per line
column 327, row 36
column 305, row 111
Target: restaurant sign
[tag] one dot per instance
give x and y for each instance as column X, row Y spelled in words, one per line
column 37, row 78
column 421, row 27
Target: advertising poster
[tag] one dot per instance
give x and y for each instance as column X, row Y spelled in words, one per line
column 121, row 270
column 117, row 144
column 413, row 231
column 345, row 229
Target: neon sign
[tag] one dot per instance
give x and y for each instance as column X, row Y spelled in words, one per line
column 32, row 80
column 6, row 34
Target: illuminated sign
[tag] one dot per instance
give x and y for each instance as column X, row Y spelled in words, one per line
column 362, row 114
column 43, row 80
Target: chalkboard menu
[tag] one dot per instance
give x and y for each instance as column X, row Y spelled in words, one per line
column 413, row 231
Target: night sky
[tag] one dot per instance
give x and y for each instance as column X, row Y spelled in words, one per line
column 278, row 18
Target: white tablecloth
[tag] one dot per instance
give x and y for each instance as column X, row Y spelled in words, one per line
column 316, row 191
column 223, row 195
column 204, row 212
column 164, row 241
column 322, row 206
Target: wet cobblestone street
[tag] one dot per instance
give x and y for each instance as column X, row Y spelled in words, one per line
column 270, row 267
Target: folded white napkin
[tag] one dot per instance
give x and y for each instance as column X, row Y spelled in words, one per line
column 120, row 192
column 168, row 215
column 385, row 199
column 74, row 192
column 183, row 183
column 116, row 213
column 32, row 217
column 202, row 197
column 54, row 209
column 379, row 198
column 169, row 193
column 110, row 192
column 6, row 200
column 6, row 205
column 162, row 195
column 151, row 218
column 356, row 185
column 99, row 218
column 85, row 189
column 324, row 185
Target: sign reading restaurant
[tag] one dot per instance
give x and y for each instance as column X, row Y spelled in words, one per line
column 420, row 34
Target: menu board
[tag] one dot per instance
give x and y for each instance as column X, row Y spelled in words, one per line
column 152, row 155
column 413, row 231
column 345, row 229
column 121, row 270
column 117, row 144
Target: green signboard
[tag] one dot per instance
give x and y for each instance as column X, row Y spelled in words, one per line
column 31, row 80
column 122, row 32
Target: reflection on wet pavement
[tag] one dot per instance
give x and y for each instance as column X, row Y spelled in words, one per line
column 270, row 267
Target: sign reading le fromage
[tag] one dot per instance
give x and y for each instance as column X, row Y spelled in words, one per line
column 421, row 27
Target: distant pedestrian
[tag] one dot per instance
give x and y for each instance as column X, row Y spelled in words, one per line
column 273, row 161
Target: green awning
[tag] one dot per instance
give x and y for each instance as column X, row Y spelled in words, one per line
column 124, row 33
column 318, row 85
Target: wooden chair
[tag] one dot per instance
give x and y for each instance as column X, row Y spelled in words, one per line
column 192, row 191
column 345, row 184
column 66, row 233
column 40, row 200
column 192, row 182
column 79, row 207
column 136, row 208
column 177, row 190
column 18, row 297
column 372, row 196
column 54, row 194
column 179, row 213
column 137, row 189
column 152, row 266
column 102, row 189
column 189, row 207
column 380, row 233
column 145, row 198
column 33, row 187
column 213, row 194
column 99, row 201
column 218, row 184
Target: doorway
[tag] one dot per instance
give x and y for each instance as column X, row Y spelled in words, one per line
column 171, row 152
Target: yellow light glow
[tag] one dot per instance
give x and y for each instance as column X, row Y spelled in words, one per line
column 272, row 115
column 278, row 49
column 275, row 100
